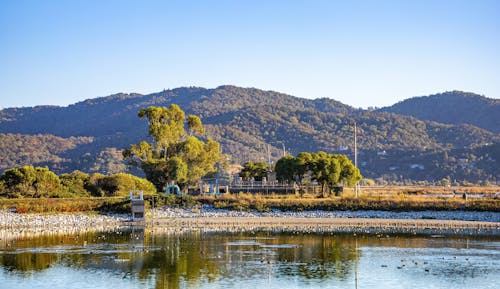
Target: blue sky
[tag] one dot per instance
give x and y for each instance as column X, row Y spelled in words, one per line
column 363, row 53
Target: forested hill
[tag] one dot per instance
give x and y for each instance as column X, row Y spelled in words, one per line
column 246, row 121
column 454, row 107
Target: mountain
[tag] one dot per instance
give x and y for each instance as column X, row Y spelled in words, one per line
column 248, row 121
column 454, row 107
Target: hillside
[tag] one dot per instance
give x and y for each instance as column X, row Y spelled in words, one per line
column 454, row 107
column 246, row 121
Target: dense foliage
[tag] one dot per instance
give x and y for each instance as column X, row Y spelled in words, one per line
column 38, row 182
column 329, row 170
column 173, row 154
column 254, row 171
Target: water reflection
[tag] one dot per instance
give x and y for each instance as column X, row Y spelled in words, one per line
column 200, row 259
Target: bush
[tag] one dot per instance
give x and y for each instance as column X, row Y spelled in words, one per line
column 76, row 183
column 93, row 187
column 31, row 182
column 122, row 184
column 176, row 201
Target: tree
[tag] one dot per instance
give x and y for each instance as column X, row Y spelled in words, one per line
column 122, row 184
column 349, row 174
column 327, row 169
column 254, row 170
column 304, row 163
column 76, row 183
column 173, row 154
column 31, row 182
column 287, row 169
column 194, row 125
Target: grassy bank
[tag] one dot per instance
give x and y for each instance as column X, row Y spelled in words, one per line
column 56, row 205
column 391, row 203
column 378, row 198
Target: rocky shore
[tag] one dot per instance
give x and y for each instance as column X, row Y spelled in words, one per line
column 210, row 219
column 209, row 212
column 58, row 221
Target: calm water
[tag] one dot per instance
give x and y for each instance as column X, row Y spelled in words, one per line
column 135, row 259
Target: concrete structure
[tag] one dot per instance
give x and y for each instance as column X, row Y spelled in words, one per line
column 137, row 204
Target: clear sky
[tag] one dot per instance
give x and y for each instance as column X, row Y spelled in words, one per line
column 363, row 53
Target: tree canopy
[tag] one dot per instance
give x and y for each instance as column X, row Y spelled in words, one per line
column 329, row 170
column 40, row 182
column 173, row 154
column 254, row 170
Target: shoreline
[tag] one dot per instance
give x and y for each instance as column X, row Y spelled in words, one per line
column 209, row 219
column 335, row 225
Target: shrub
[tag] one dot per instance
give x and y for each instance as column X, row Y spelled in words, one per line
column 76, row 183
column 31, row 182
column 122, row 184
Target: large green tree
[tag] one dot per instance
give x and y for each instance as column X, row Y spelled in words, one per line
column 254, row 170
column 173, row 154
column 329, row 170
column 287, row 169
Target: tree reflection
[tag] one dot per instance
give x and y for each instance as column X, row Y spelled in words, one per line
column 172, row 259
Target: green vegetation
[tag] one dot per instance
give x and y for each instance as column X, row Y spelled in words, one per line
column 31, row 182
column 121, row 185
column 173, row 155
column 245, row 121
column 329, row 170
column 36, row 182
column 254, row 170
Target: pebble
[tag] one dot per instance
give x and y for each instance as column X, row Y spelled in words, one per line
column 39, row 222
column 210, row 211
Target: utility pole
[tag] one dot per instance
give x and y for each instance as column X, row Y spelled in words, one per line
column 268, row 156
column 355, row 146
column 268, row 163
column 357, row 188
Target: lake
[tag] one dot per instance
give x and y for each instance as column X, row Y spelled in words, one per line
column 134, row 258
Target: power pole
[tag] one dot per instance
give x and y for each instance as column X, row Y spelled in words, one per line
column 357, row 188
column 268, row 164
column 268, row 156
column 355, row 146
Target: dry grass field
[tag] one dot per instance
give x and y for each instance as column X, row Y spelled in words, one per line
column 394, row 198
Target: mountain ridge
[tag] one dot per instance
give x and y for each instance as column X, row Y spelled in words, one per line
column 467, row 107
column 248, row 120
